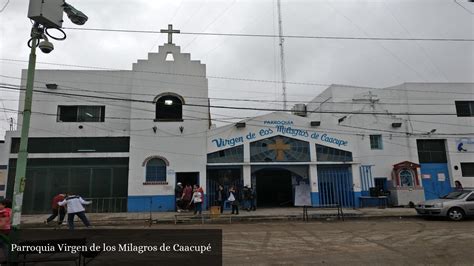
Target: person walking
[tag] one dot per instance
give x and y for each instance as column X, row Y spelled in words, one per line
column 233, row 199
column 75, row 207
column 200, row 189
column 197, row 200
column 220, row 197
column 5, row 216
column 57, row 210
column 5, row 227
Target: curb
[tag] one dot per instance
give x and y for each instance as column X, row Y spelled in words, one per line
column 234, row 219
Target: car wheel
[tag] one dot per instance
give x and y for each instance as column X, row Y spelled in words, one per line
column 455, row 214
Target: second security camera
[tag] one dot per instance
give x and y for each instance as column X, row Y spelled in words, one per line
column 46, row 46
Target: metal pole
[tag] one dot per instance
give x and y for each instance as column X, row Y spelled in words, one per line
column 20, row 179
column 282, row 55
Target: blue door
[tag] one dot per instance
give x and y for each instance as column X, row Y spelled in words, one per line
column 435, row 179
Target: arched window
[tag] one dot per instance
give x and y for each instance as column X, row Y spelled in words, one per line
column 169, row 107
column 406, row 178
column 155, row 170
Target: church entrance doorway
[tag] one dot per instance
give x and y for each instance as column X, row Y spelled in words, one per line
column 280, row 185
column 274, row 188
column 188, row 178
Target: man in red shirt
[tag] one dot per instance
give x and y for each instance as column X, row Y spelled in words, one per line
column 5, row 216
column 56, row 209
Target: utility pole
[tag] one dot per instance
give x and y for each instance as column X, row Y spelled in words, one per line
column 20, row 173
column 45, row 14
column 282, row 55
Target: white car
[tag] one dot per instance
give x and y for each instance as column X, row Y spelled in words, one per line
column 456, row 205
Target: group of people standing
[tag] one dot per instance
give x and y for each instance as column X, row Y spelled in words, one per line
column 234, row 198
column 74, row 205
column 189, row 197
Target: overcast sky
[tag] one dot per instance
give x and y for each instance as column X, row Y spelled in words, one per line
column 350, row 62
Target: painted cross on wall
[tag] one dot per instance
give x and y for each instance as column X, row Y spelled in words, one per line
column 279, row 147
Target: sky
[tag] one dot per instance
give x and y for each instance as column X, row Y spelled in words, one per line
column 321, row 61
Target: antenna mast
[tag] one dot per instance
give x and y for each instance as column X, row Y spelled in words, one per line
column 282, row 55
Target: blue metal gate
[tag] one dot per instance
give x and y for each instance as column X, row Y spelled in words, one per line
column 335, row 185
column 435, row 178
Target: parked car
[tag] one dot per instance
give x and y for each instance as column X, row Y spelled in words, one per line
column 456, row 205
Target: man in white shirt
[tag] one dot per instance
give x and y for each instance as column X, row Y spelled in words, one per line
column 74, row 207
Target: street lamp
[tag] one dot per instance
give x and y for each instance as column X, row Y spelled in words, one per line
column 46, row 14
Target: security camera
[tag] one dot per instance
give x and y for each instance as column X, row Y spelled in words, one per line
column 76, row 16
column 46, row 46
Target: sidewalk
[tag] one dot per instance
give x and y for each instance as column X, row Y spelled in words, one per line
column 295, row 213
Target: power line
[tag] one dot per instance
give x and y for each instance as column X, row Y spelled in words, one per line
column 380, row 44
column 404, row 134
column 228, row 107
column 212, row 22
column 175, row 74
column 284, row 36
column 228, row 118
column 200, row 155
column 257, row 80
column 4, row 6
column 455, row 1
column 428, row 57
column 400, row 134
column 69, row 88
column 272, row 101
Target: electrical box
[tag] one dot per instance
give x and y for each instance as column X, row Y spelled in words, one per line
column 48, row 13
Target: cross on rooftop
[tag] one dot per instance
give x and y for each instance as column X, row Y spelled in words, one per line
column 170, row 32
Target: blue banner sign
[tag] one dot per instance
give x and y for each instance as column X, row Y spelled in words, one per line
column 281, row 127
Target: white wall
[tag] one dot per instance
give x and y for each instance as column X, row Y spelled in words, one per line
column 83, row 82
column 186, row 152
column 421, row 98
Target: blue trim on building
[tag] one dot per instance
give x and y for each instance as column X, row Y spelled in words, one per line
column 365, row 193
column 159, row 203
column 357, row 196
column 315, row 198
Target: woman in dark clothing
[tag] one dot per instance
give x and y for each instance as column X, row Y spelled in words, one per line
column 220, row 197
column 233, row 199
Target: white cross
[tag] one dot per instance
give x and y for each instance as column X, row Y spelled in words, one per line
column 170, row 32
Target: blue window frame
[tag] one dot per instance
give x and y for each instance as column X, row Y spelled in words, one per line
column 155, row 170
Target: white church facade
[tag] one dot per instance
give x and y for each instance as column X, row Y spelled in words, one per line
column 125, row 138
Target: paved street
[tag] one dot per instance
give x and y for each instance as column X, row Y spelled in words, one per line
column 387, row 242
